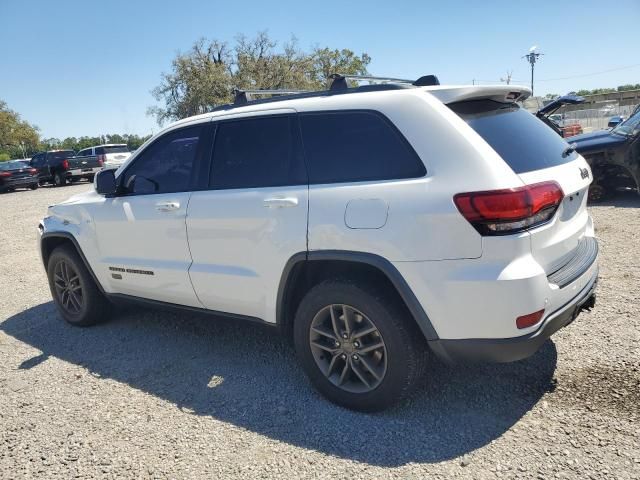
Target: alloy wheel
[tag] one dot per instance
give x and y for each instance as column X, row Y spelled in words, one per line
column 68, row 287
column 348, row 348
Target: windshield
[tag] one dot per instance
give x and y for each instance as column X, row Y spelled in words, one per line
column 61, row 155
column 629, row 126
column 12, row 165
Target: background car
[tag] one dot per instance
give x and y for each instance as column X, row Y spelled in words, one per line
column 614, row 157
column 563, row 126
column 17, row 174
column 615, row 120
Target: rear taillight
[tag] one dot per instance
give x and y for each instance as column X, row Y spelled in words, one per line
column 33, row 171
column 65, row 164
column 502, row 212
column 101, row 159
column 5, row 174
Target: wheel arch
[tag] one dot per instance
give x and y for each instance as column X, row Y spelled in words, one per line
column 305, row 269
column 51, row 240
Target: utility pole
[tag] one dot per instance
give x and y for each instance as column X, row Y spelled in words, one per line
column 532, row 58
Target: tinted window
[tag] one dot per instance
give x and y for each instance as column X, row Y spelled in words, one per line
column 83, row 153
column 257, row 152
column 12, row 165
column 99, row 150
column 523, row 141
column 356, row 146
column 61, row 155
column 166, row 165
column 116, row 149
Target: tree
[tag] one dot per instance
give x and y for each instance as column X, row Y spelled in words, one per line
column 205, row 76
column 18, row 138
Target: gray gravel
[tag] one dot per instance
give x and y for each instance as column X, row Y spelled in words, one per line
column 159, row 395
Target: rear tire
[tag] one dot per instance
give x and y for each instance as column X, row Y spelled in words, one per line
column 59, row 180
column 343, row 362
column 598, row 193
column 34, row 186
column 73, row 289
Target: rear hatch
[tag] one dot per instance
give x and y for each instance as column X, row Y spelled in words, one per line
column 537, row 154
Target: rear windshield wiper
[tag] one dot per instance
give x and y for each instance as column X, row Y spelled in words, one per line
column 569, row 150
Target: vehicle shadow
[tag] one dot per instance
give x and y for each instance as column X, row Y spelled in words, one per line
column 248, row 376
column 626, row 199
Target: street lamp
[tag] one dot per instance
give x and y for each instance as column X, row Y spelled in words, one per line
column 532, row 58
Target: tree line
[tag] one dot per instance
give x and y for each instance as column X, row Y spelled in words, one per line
column 620, row 88
column 21, row 139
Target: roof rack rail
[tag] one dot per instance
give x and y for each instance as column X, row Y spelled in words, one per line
column 339, row 81
column 244, row 96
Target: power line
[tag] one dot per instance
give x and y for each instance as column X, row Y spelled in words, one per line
column 590, row 74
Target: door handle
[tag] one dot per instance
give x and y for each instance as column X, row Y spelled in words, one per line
column 280, row 202
column 167, row 206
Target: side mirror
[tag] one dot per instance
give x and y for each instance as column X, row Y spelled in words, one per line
column 106, row 182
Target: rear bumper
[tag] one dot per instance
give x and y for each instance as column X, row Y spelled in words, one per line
column 19, row 182
column 517, row 348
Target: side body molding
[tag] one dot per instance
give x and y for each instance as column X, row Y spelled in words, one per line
column 380, row 263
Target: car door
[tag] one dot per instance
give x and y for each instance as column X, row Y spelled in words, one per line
column 37, row 162
column 141, row 232
column 252, row 218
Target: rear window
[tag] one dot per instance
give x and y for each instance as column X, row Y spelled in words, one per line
column 60, row 155
column 523, row 141
column 116, row 149
column 356, row 146
column 12, row 164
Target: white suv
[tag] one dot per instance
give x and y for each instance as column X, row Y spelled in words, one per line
column 370, row 224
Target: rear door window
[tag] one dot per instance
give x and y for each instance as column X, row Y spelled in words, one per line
column 356, row 146
column 523, row 141
column 53, row 157
column 257, row 152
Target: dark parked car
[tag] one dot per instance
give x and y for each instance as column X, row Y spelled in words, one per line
column 615, row 120
column 614, row 157
column 564, row 128
column 16, row 174
column 61, row 166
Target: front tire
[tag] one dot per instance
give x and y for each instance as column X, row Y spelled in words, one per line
column 358, row 346
column 73, row 289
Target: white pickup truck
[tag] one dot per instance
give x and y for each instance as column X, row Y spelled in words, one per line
column 112, row 155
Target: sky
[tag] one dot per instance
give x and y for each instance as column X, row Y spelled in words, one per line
column 78, row 67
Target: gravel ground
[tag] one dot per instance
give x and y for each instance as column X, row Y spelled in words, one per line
column 159, row 395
